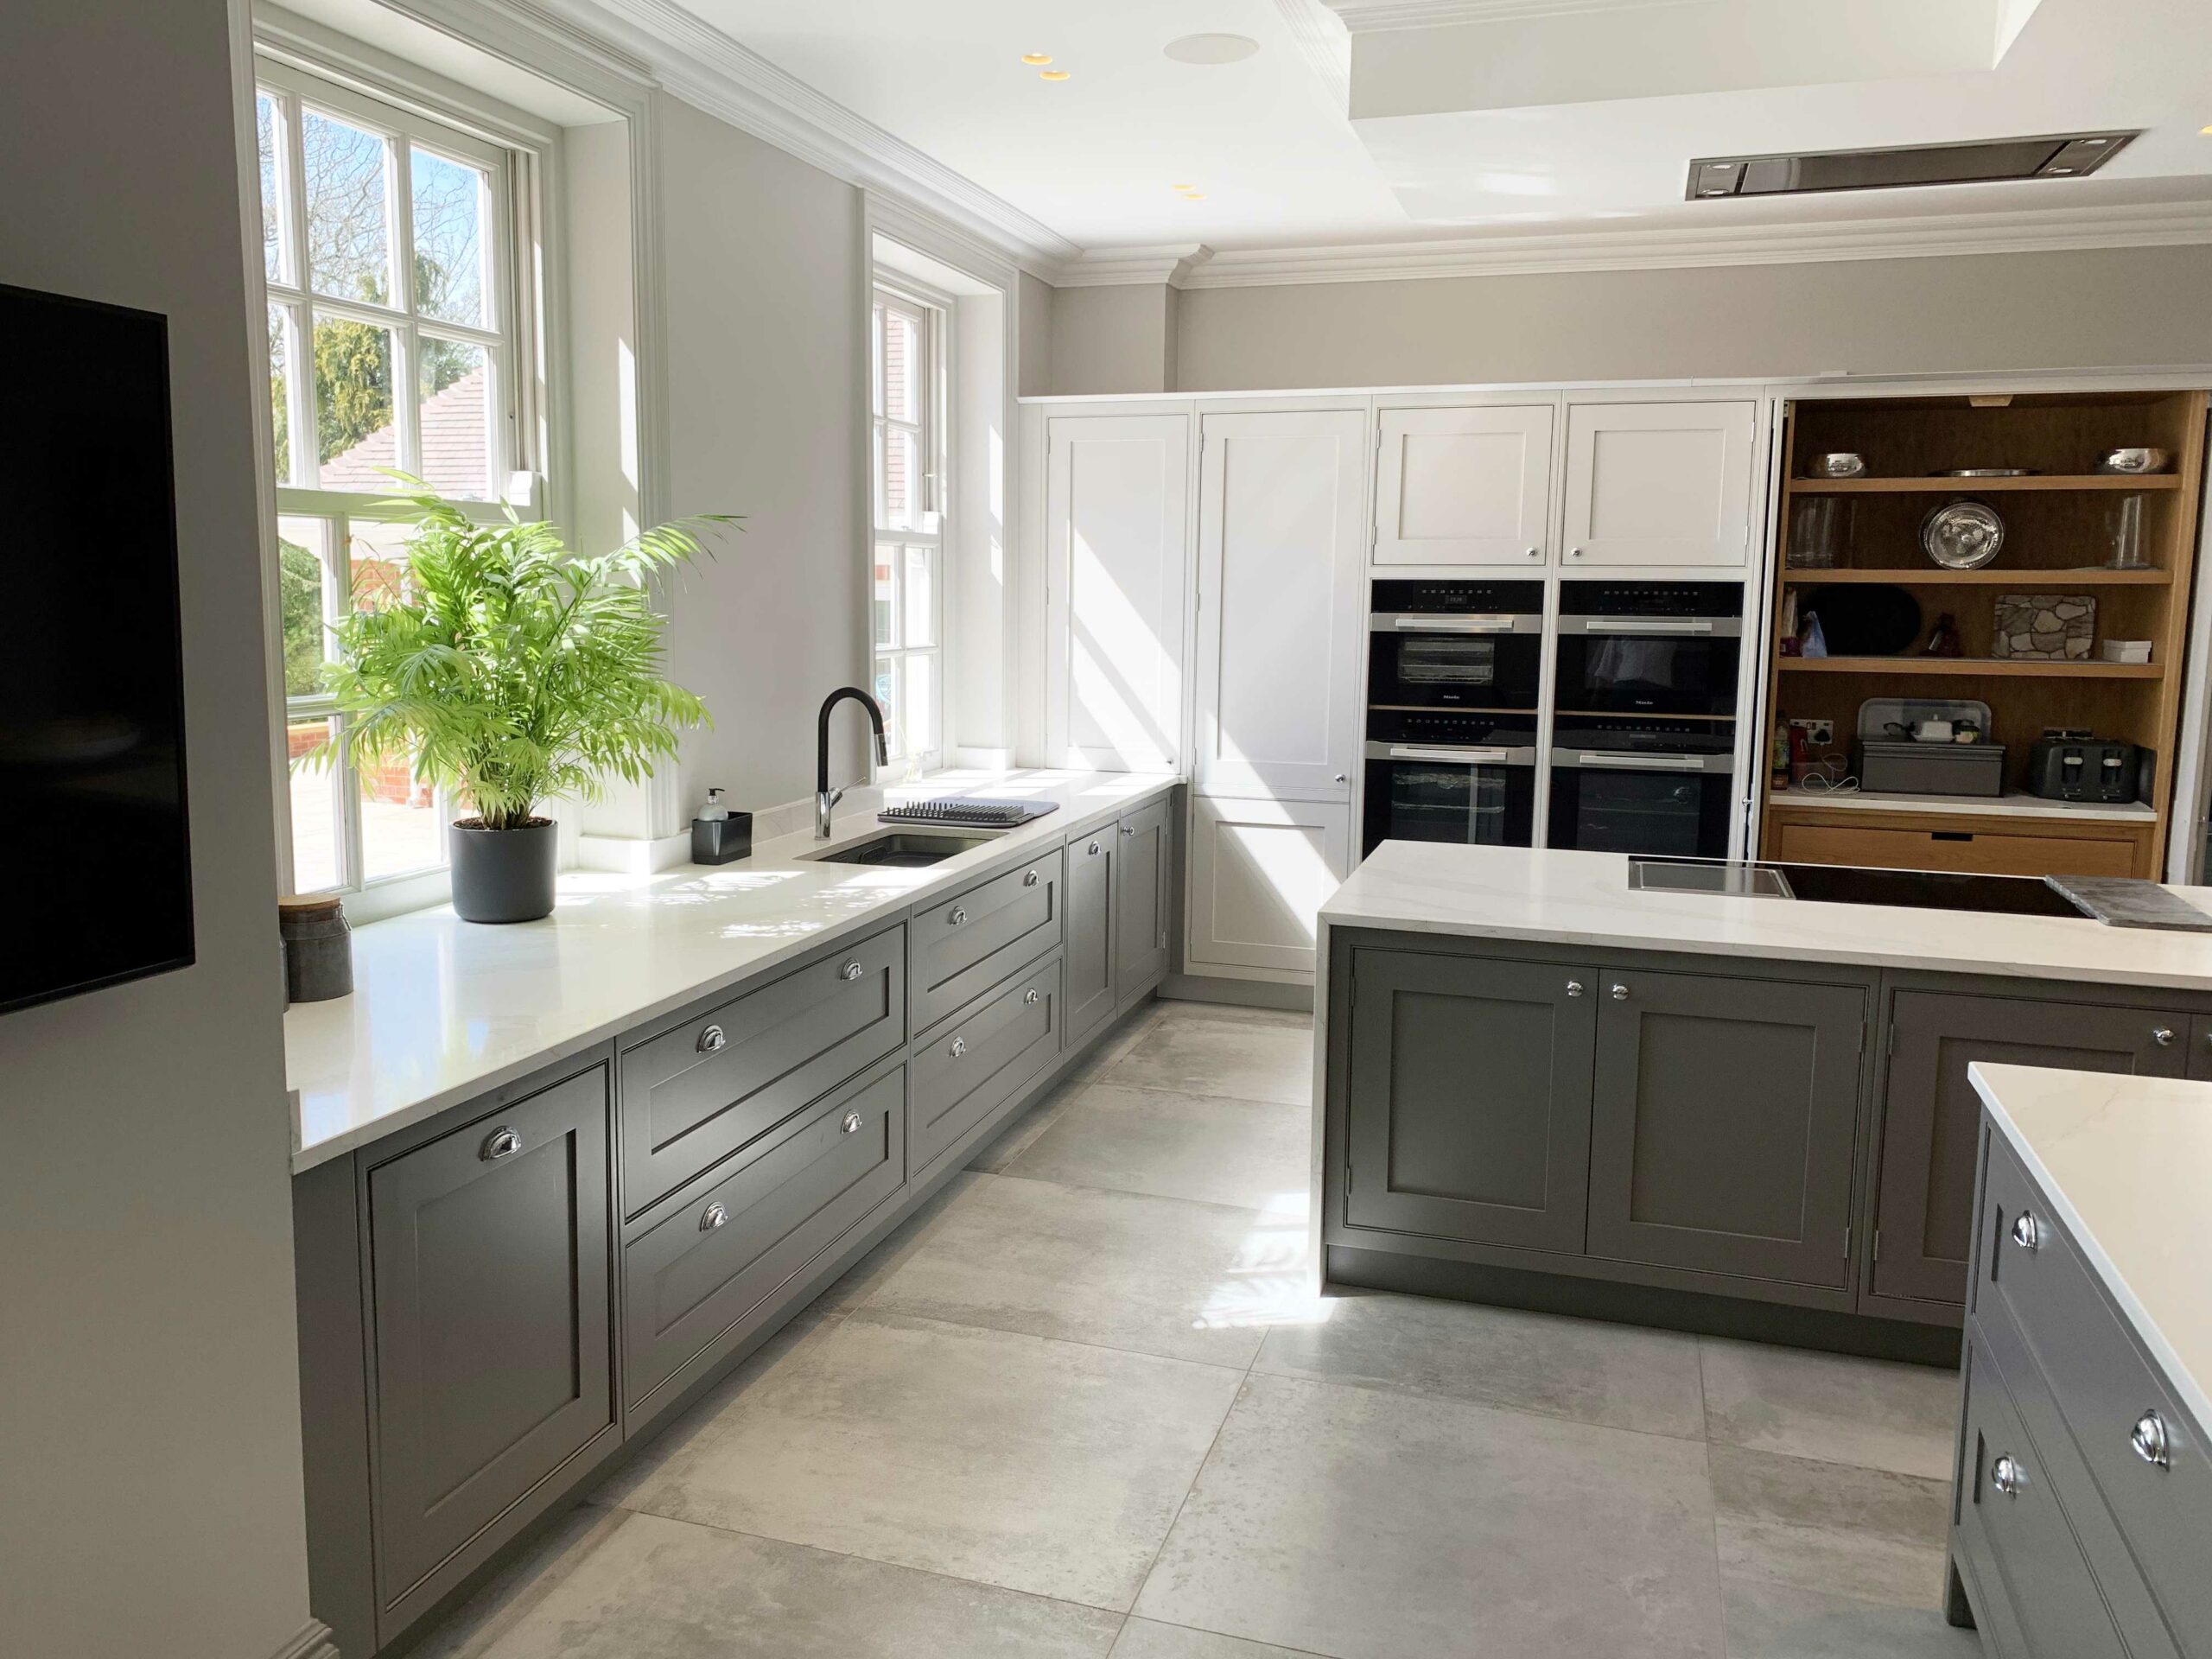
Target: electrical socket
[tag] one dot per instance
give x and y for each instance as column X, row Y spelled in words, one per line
column 1820, row 734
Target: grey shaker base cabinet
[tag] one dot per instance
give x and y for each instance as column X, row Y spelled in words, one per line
column 1754, row 1132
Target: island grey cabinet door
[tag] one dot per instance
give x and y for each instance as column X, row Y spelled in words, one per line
column 1141, row 885
column 1931, row 1117
column 1724, row 1120
column 492, row 1318
column 1468, row 1109
column 1092, row 931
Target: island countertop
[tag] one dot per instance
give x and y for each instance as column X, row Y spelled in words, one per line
column 1584, row 898
column 2126, row 1161
column 444, row 1009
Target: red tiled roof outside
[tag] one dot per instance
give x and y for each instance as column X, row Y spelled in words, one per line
column 454, row 447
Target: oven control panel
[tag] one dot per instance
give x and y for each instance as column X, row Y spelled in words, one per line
column 1651, row 599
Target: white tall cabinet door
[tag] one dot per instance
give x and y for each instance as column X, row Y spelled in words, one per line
column 1117, row 503
column 1658, row 484
column 1281, row 511
column 1463, row 485
column 1260, row 873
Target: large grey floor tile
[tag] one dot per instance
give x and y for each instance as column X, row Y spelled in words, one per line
column 1829, row 1527
column 1240, row 1058
column 1142, row 1638
column 1371, row 1524
column 1778, row 1621
column 1185, row 1008
column 648, row 1588
column 1120, row 1270
column 1017, row 1136
column 1873, row 1412
column 1622, row 1376
column 1044, row 1466
column 1254, row 1153
column 862, row 1278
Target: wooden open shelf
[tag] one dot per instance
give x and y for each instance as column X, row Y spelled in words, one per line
column 2013, row 577
column 1972, row 667
column 2128, row 483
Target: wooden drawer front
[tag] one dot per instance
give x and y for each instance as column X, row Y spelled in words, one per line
column 965, row 945
column 983, row 1060
column 491, row 1311
column 1986, row 852
column 693, row 1095
column 2019, row 1540
column 2104, row 1388
column 711, row 1255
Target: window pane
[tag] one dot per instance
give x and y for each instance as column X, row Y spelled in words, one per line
column 453, row 429
column 901, row 472
column 917, row 706
column 280, row 387
column 921, row 596
column 875, row 337
column 349, row 232
column 449, row 244
column 307, row 591
column 268, row 123
column 887, row 696
column 902, row 367
column 354, row 434
column 314, row 809
column 886, row 605
column 402, row 828
column 378, row 555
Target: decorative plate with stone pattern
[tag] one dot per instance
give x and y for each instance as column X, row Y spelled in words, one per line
column 2046, row 627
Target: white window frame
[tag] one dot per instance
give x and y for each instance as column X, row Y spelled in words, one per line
column 510, row 334
column 932, row 313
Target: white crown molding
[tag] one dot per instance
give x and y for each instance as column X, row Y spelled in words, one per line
column 2040, row 232
column 1324, row 43
column 704, row 67
column 1173, row 264
column 1373, row 17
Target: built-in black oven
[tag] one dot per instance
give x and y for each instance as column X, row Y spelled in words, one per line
column 1456, row 644
column 1649, row 648
column 1468, row 778
column 1645, row 786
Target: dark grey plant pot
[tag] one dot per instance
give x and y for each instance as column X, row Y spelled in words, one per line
column 503, row 875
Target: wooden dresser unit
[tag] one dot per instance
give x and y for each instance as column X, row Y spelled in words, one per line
column 2057, row 540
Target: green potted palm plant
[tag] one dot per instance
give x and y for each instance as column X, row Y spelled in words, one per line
column 509, row 671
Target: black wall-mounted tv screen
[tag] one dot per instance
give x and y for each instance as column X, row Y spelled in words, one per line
column 93, row 820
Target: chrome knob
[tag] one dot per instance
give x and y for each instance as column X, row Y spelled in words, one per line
column 851, row 970
column 2007, row 1477
column 2151, row 1441
column 1342, row 779
column 959, row 1046
column 957, row 916
column 712, row 1039
column 1093, row 851
column 502, row 1142
column 1620, row 993
column 1574, row 988
column 852, row 1122
column 1033, row 998
column 2027, row 1232
column 1535, row 553
column 1573, row 552
column 1128, row 829
column 1030, row 880
column 2163, row 1036
column 716, row 1216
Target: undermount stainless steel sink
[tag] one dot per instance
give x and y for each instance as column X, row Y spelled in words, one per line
column 902, row 849
column 1719, row 876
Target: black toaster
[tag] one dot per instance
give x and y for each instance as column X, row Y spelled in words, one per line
column 2068, row 767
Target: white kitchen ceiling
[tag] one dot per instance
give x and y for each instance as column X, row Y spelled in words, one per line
column 1461, row 118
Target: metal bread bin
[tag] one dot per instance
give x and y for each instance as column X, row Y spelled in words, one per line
column 1886, row 767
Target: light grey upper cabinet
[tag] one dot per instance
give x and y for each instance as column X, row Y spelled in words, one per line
column 1092, row 933
column 1931, row 1117
column 1469, row 1098
column 491, row 1315
column 1725, row 1114
column 1463, row 486
column 1142, row 885
column 1658, row 484
column 1281, row 525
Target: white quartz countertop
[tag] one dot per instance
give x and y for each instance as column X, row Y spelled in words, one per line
column 1584, row 898
column 2126, row 1162
column 443, row 1009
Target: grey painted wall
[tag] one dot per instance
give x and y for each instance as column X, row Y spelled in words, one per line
column 1035, row 339
column 2107, row 308
column 766, row 272
column 149, row 1380
column 1115, row 339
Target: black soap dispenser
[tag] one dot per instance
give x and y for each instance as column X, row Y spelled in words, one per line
column 719, row 835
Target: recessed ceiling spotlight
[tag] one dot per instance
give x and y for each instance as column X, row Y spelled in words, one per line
column 1051, row 74
column 2204, row 132
column 1034, row 59
column 1212, row 49
column 1194, row 195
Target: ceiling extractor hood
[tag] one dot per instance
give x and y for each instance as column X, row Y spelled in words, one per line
column 2047, row 155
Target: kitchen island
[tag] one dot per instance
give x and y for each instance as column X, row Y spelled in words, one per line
column 1538, row 1085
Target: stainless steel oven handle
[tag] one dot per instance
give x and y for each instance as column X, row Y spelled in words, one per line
column 1674, row 626
column 1471, row 757
column 1656, row 762
column 1448, row 624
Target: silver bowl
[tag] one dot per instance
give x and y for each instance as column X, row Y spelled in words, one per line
column 1841, row 464
column 2131, row 461
column 1962, row 535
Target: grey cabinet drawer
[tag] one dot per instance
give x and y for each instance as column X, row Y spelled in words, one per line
column 2014, row 1531
column 491, row 1315
column 1091, row 932
column 2034, row 1278
column 697, row 1093
column 1143, row 888
column 710, row 1256
column 965, row 945
column 984, row 1058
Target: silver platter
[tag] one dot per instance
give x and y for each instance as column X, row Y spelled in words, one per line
column 1962, row 535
